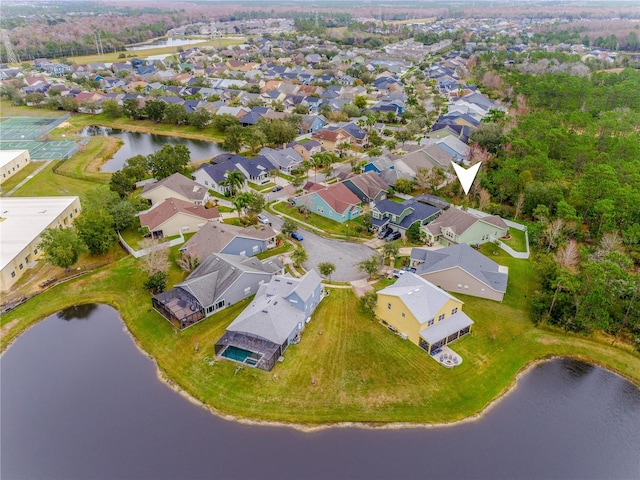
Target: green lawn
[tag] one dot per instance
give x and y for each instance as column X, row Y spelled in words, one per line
column 360, row 371
column 15, row 179
column 272, row 252
column 346, row 229
column 48, row 183
column 517, row 241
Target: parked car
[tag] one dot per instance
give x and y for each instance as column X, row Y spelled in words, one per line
column 263, row 219
column 384, row 232
column 392, row 236
column 277, row 188
column 398, row 273
column 296, row 236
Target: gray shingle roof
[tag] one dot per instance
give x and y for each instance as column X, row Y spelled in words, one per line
column 461, row 256
column 422, row 298
column 213, row 237
column 181, row 185
column 217, row 273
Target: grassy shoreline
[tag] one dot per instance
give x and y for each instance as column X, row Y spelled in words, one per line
column 362, row 372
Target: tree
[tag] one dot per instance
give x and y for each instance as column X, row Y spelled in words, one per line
column 175, row 114
column 403, row 185
column 156, row 258
column 288, row 227
column 136, row 167
column 299, row 256
column 489, row 136
column 370, row 265
column 369, row 300
column 121, row 183
column 403, row 135
column 223, row 122
column 254, row 138
column 199, row 118
column 62, row 246
column 234, row 139
column 187, row 262
column 154, row 110
column 234, row 180
column 156, row 283
column 95, row 228
column 130, row 108
column 111, row 109
column 277, row 131
column 35, row 98
column 168, row 160
column 390, row 251
column 123, row 213
column 241, row 202
column 69, row 104
column 414, row 234
column 256, row 203
column 360, row 101
column 326, row 269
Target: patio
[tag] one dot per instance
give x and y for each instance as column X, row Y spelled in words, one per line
column 446, row 357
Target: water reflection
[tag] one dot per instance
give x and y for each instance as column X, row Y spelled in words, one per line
column 77, row 312
column 136, row 143
column 83, row 402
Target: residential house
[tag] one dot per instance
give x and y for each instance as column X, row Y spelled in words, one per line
column 368, row 187
column 275, row 319
column 400, row 216
column 285, row 160
column 230, row 239
column 219, row 281
column 306, row 149
column 461, row 269
column 175, row 186
column 422, row 313
column 335, row 202
column 457, row 226
column 330, row 139
column 312, row 123
column 214, row 176
column 174, row 217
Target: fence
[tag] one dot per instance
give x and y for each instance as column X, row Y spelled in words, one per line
column 144, row 251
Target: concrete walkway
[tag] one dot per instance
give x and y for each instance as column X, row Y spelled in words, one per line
column 29, row 177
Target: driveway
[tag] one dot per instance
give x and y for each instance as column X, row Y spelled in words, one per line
column 344, row 255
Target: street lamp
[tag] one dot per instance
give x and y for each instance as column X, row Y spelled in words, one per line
column 347, row 230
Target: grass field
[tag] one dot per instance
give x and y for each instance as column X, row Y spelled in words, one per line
column 15, row 179
column 517, row 240
column 360, row 371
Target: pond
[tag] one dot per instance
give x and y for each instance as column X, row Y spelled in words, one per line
column 164, row 42
column 136, row 143
column 79, row 400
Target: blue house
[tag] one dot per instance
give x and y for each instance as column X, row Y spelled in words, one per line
column 275, row 319
column 216, row 237
column 335, row 202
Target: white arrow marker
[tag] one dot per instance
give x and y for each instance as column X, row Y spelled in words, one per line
column 466, row 176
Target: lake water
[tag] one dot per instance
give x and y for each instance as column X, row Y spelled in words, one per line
column 165, row 42
column 78, row 400
column 145, row 143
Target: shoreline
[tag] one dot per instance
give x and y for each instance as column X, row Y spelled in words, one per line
column 312, row 428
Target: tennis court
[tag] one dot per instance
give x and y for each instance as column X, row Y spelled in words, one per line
column 28, row 128
column 48, row 150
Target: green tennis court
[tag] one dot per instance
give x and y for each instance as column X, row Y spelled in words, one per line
column 43, row 150
column 28, row 128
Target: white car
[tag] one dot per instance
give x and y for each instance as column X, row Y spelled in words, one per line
column 263, row 219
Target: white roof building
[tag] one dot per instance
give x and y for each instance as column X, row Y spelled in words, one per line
column 22, row 221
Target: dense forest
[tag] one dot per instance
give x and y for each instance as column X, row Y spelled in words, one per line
column 568, row 160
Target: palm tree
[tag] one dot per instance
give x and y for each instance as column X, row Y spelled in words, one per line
column 235, row 181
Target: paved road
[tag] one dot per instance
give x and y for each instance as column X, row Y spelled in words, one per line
column 344, row 255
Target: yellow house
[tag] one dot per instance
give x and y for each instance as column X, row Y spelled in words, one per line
column 422, row 312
